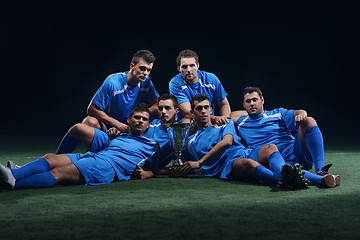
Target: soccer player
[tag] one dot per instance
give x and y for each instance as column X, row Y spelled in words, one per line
column 117, row 162
column 191, row 81
column 217, row 152
column 96, row 140
column 158, row 131
column 259, row 127
column 118, row 94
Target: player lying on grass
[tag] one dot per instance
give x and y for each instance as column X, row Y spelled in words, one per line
column 96, row 140
column 125, row 154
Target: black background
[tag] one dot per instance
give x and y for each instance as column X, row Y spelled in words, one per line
column 54, row 57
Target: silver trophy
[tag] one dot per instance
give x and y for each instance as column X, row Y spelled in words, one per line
column 177, row 133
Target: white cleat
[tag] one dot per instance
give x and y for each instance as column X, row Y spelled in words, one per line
column 7, row 178
column 12, row 165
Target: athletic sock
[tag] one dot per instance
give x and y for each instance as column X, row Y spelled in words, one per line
column 67, row 145
column 276, row 161
column 34, row 167
column 315, row 145
column 265, row 175
column 312, row 177
column 40, row 180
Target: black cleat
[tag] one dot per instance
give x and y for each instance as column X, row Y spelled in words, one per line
column 299, row 181
column 324, row 170
column 286, row 176
column 293, row 178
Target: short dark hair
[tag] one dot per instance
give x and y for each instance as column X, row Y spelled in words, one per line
column 198, row 97
column 146, row 55
column 140, row 107
column 250, row 89
column 186, row 53
column 167, row 96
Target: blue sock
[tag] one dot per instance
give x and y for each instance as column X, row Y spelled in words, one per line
column 40, row 180
column 34, row 167
column 266, row 176
column 314, row 178
column 276, row 161
column 315, row 145
column 67, row 145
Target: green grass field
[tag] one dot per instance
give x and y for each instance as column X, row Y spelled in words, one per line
column 180, row 208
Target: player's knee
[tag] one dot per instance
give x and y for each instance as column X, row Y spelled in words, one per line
column 308, row 123
column 75, row 130
column 269, row 149
column 92, row 122
column 246, row 164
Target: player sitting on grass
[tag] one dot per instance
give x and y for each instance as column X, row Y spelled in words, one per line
column 259, row 127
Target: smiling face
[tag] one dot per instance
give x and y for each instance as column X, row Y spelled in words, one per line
column 253, row 103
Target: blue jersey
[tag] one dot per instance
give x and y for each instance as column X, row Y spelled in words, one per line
column 208, row 84
column 117, row 98
column 202, row 141
column 159, row 134
column 273, row 126
column 122, row 155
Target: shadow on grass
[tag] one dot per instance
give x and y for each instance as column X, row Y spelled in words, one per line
column 178, row 209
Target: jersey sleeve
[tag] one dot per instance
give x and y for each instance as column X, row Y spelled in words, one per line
column 287, row 116
column 220, row 93
column 230, row 129
column 103, row 95
column 152, row 92
column 175, row 89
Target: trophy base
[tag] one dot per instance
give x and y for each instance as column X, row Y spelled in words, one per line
column 175, row 172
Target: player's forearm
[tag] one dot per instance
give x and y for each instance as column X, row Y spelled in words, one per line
column 216, row 150
column 225, row 111
column 103, row 117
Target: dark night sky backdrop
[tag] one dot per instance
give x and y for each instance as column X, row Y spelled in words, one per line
column 301, row 56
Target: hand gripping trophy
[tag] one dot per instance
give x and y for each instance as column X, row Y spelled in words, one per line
column 177, row 133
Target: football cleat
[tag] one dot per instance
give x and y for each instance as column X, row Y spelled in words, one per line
column 293, row 177
column 7, row 178
column 12, row 165
column 324, row 170
column 299, row 181
column 286, row 176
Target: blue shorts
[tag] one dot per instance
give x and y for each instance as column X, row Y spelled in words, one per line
column 295, row 153
column 100, row 141
column 244, row 153
column 95, row 170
